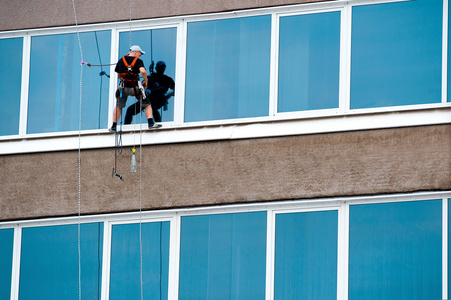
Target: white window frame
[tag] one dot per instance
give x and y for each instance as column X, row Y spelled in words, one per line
column 340, row 204
column 106, row 266
column 275, row 124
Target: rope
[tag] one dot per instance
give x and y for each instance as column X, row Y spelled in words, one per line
column 140, row 199
column 118, row 136
column 79, row 188
column 118, row 142
column 133, row 132
column 79, row 156
column 140, row 171
column 130, row 26
column 78, row 33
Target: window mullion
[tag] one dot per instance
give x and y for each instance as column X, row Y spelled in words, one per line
column 270, row 254
column 273, row 73
column 15, row 274
column 25, row 85
column 113, row 74
column 180, row 71
column 106, row 260
column 343, row 252
column 174, row 257
column 345, row 59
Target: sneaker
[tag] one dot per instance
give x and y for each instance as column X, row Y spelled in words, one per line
column 112, row 129
column 154, row 126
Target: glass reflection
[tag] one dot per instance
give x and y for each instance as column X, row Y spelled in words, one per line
column 10, row 85
column 6, row 263
column 159, row 60
column 396, row 54
column 49, row 262
column 305, row 265
column 223, row 256
column 54, row 92
column 126, row 263
column 227, row 69
column 309, row 62
column 395, row 250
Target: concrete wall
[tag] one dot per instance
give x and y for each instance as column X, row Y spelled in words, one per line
column 48, row 13
column 222, row 172
column 372, row 162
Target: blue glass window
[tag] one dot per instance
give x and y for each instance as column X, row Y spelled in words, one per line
column 227, row 69
column 395, row 251
column 6, row 261
column 306, row 256
column 309, row 62
column 159, row 45
column 223, row 257
column 396, row 54
column 126, row 266
column 54, row 92
column 10, row 85
column 49, row 262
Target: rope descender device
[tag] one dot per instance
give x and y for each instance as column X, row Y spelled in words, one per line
column 117, row 175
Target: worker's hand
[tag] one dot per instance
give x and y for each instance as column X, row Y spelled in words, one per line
column 144, row 84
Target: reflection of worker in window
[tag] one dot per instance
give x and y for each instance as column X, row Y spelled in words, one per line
column 128, row 69
column 159, row 85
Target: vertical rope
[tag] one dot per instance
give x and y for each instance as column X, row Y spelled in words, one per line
column 140, row 175
column 129, row 46
column 78, row 33
column 79, row 155
column 79, row 183
column 140, row 200
column 130, row 26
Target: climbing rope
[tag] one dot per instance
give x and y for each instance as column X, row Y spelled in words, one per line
column 118, row 150
column 118, row 133
column 79, row 186
column 79, row 155
column 130, row 26
column 118, row 138
column 140, row 99
column 140, row 199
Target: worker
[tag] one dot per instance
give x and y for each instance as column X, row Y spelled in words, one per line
column 128, row 68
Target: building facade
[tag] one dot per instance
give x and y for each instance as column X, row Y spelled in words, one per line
column 304, row 153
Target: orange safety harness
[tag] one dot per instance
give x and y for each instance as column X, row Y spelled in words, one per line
column 129, row 76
